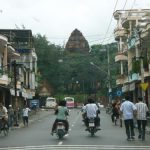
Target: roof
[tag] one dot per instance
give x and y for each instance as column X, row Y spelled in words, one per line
column 19, row 34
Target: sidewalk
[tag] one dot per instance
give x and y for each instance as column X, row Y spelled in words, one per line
column 33, row 116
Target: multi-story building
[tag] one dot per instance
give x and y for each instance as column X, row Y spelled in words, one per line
column 7, row 52
column 21, row 61
column 132, row 34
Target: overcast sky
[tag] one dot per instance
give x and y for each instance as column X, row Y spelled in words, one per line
column 58, row 18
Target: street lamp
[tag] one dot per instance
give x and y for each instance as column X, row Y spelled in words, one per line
column 108, row 77
column 99, row 68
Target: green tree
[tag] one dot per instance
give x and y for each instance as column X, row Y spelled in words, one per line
column 72, row 73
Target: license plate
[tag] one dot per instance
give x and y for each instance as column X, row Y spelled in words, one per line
column 91, row 124
column 60, row 127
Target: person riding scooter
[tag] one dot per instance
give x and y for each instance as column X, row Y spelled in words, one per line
column 62, row 113
column 92, row 111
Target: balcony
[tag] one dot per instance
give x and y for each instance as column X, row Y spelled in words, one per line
column 146, row 74
column 121, row 57
column 4, row 80
column 12, row 54
column 120, row 32
column 3, row 39
column 121, row 79
column 145, row 35
column 3, row 42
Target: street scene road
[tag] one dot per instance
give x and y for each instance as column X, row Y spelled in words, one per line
column 65, row 63
column 37, row 135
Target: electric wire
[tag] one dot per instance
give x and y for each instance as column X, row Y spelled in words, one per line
column 110, row 21
column 123, row 9
column 110, row 37
column 125, row 4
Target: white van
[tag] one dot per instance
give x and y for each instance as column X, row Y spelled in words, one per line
column 50, row 102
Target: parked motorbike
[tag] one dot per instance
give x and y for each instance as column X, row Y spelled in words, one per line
column 60, row 130
column 92, row 127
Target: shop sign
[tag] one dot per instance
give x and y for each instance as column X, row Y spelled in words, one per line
column 12, row 92
column 131, row 42
column 144, row 86
column 29, row 96
column 132, row 86
column 134, row 77
column 24, row 94
column 23, row 50
column 125, row 88
column 119, row 92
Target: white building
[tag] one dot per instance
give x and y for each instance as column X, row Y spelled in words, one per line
column 133, row 36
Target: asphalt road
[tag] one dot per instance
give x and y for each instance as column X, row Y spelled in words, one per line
column 37, row 135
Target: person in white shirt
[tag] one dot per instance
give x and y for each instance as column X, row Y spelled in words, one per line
column 25, row 115
column 3, row 112
column 92, row 111
column 142, row 109
column 3, row 115
column 128, row 109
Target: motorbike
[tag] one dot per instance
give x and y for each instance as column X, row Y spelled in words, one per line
column 84, row 118
column 92, row 127
column 60, row 130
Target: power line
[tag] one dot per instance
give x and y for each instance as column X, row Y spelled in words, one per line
column 92, row 35
column 96, row 40
column 110, row 20
column 133, row 4
column 125, row 4
column 112, row 15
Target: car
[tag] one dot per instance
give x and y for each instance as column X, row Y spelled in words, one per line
column 51, row 102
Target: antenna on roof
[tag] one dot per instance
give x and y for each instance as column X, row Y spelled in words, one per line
column 23, row 27
column 16, row 26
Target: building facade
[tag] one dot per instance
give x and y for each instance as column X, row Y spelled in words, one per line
column 132, row 34
column 18, row 61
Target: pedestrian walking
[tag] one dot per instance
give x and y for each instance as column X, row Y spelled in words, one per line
column 128, row 109
column 25, row 115
column 11, row 116
column 142, row 110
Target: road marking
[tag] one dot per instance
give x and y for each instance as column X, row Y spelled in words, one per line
column 60, row 143
column 77, row 147
column 66, row 135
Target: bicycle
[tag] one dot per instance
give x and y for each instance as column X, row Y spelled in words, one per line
column 4, row 126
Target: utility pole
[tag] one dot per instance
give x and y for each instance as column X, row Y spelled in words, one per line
column 15, row 84
column 141, row 61
column 109, row 76
column 15, row 88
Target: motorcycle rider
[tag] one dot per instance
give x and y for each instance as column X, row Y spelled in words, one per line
column 92, row 111
column 62, row 113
